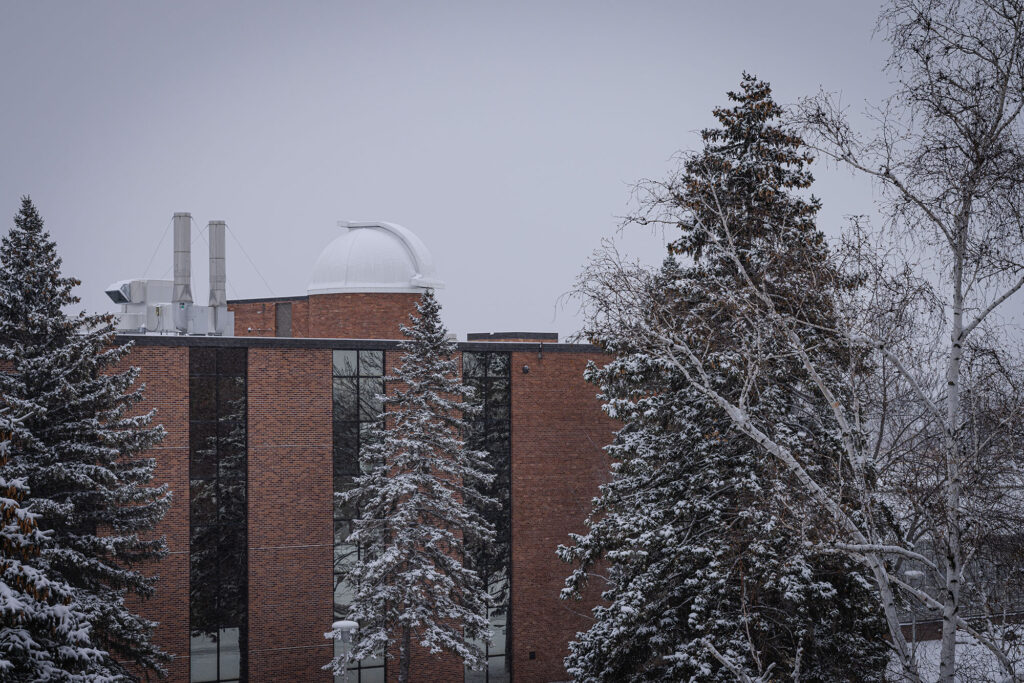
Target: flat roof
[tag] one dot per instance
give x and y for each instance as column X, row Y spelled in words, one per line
column 332, row 343
column 269, row 299
column 522, row 336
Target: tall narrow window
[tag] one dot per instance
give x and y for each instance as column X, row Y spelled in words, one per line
column 219, row 586
column 490, row 431
column 358, row 381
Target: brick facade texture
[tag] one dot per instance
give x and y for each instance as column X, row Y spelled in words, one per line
column 256, row 318
column 300, row 318
column 329, row 316
column 164, row 372
column 360, row 316
column 290, row 528
column 558, row 431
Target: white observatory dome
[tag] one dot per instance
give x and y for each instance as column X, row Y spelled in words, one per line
column 374, row 257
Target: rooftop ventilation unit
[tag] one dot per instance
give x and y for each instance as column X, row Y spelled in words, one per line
column 165, row 306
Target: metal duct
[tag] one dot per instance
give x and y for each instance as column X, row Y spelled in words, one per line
column 182, row 258
column 218, row 275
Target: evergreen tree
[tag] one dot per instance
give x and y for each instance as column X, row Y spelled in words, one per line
column 418, row 500
column 77, row 451
column 712, row 553
column 43, row 636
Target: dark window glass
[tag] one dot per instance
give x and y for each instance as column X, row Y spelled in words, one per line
column 203, row 501
column 497, row 393
column 231, row 397
column 202, row 398
column 231, row 472
column 345, row 363
column 497, row 413
column 202, row 361
column 231, row 442
column 232, row 362
column 371, row 363
column 231, row 499
column 202, row 449
column 472, row 365
column 346, row 450
column 497, row 364
column 358, row 380
column 346, row 398
column 488, row 430
column 370, row 405
column 218, row 586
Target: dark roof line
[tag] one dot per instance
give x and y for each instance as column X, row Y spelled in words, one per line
column 307, row 343
column 268, row 299
column 485, row 336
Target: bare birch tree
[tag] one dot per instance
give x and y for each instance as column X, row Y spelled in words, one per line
column 931, row 432
column 929, row 411
column 948, row 157
column 887, row 511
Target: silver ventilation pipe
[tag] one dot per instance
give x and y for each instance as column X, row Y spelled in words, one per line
column 223, row 320
column 181, row 298
column 218, row 275
column 182, row 258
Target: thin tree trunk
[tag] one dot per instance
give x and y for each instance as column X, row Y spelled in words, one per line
column 951, row 599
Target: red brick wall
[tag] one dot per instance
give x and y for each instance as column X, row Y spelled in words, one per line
column 558, row 431
column 290, row 528
column 164, row 371
column 254, row 319
column 360, row 316
column 557, row 463
column 300, row 318
column 335, row 316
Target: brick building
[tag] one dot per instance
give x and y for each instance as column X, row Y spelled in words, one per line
column 264, row 426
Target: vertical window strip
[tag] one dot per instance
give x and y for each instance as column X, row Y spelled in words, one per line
column 358, row 376
column 489, row 375
column 218, row 473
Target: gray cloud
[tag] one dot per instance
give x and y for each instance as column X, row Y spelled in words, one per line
column 505, row 135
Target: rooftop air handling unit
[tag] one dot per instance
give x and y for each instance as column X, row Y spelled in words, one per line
column 166, row 306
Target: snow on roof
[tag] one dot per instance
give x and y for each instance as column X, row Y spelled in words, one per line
column 374, row 257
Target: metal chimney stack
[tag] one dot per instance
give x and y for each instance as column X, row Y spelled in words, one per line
column 181, row 297
column 218, row 276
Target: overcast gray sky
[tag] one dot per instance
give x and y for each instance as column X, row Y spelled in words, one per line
column 505, row 134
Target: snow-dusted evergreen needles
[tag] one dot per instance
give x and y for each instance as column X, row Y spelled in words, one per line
column 74, row 494
column 713, row 558
column 419, row 500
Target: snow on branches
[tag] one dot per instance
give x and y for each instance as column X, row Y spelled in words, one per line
column 419, row 500
column 77, row 495
column 717, row 553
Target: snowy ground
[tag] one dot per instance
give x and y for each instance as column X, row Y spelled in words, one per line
column 974, row 662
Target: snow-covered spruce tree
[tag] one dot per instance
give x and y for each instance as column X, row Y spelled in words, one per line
column 77, row 449
column 716, row 564
column 43, row 636
column 419, row 498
